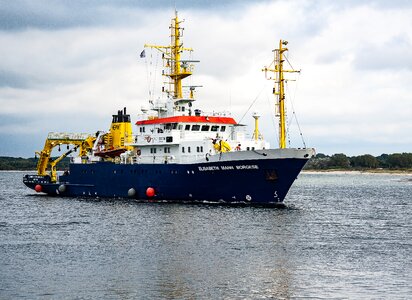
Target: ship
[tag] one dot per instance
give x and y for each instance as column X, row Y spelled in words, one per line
column 177, row 153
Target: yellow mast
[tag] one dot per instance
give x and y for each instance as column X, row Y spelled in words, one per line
column 177, row 69
column 279, row 89
column 256, row 133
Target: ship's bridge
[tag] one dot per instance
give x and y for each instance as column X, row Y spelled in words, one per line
column 176, row 129
column 188, row 138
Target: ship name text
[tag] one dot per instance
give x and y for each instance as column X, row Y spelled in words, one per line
column 225, row 168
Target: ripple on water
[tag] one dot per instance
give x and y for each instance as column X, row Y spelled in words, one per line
column 340, row 236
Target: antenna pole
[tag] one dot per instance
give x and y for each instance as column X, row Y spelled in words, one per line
column 279, row 89
column 176, row 55
column 281, row 94
column 178, row 70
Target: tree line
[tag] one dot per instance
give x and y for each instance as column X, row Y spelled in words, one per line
column 365, row 161
column 27, row 164
column 319, row 162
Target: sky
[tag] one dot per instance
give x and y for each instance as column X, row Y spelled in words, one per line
column 67, row 66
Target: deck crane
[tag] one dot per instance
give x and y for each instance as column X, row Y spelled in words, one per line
column 82, row 141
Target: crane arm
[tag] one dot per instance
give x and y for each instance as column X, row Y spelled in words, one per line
column 80, row 140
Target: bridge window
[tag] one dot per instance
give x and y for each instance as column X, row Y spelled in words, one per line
column 167, row 150
column 187, row 127
column 215, row 128
column 195, row 127
column 153, row 150
column 205, row 127
column 170, row 126
column 223, row 128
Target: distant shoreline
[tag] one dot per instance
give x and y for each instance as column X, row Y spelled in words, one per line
column 367, row 171
column 400, row 164
column 331, row 171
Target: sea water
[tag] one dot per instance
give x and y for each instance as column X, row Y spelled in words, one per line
column 341, row 236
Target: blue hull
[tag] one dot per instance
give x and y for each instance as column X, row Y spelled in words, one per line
column 254, row 182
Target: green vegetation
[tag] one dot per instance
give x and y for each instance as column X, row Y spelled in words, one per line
column 396, row 161
column 339, row 161
column 27, row 164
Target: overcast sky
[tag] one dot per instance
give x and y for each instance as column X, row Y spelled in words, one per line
column 67, row 66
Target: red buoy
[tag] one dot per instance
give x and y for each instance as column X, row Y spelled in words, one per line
column 38, row 188
column 150, row 192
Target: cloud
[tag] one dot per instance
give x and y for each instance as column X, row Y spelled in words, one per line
column 392, row 54
column 15, row 15
column 67, row 66
column 55, row 15
column 11, row 79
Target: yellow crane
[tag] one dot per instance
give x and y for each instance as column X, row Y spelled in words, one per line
column 82, row 141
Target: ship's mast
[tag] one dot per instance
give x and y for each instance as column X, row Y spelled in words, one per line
column 279, row 89
column 178, row 69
